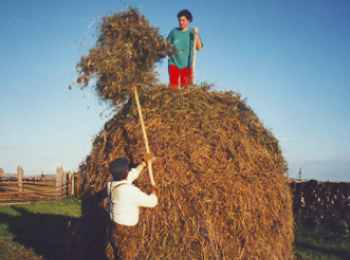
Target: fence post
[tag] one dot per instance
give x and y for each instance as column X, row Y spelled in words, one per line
column 20, row 178
column 2, row 175
column 79, row 180
column 58, row 181
column 63, row 181
column 72, row 189
column 69, row 183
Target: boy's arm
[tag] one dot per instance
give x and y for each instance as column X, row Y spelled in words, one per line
column 135, row 172
column 141, row 166
column 144, row 200
column 170, row 36
column 198, row 39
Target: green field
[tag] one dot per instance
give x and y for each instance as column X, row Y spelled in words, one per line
column 325, row 247
column 320, row 242
column 43, row 231
column 38, row 231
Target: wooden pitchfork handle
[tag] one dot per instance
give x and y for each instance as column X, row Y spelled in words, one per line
column 150, row 171
column 194, row 57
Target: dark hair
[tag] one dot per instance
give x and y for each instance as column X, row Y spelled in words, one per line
column 119, row 168
column 185, row 13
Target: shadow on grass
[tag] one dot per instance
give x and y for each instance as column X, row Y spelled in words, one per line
column 50, row 236
column 340, row 253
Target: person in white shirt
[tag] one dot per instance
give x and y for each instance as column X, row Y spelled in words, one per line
column 126, row 198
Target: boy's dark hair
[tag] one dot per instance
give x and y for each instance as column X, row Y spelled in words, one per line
column 185, row 13
column 119, row 168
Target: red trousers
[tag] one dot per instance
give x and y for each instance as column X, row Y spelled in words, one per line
column 185, row 76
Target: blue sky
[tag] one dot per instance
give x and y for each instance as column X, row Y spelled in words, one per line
column 290, row 60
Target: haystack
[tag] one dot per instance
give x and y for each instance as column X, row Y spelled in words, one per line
column 220, row 173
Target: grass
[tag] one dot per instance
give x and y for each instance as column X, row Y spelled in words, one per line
column 10, row 250
column 321, row 240
column 323, row 247
column 42, row 231
column 39, row 230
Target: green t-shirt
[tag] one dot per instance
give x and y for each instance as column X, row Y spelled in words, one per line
column 183, row 43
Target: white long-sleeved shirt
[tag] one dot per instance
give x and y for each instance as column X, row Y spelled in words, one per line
column 126, row 200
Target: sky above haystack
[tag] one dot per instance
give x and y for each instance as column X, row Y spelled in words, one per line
column 290, row 60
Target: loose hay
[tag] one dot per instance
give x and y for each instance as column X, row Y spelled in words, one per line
column 124, row 56
column 223, row 193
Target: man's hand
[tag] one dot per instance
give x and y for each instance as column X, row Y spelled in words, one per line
column 196, row 31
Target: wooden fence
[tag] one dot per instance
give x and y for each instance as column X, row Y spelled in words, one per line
column 18, row 189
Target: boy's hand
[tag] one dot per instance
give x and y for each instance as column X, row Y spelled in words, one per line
column 149, row 157
column 155, row 190
column 196, row 31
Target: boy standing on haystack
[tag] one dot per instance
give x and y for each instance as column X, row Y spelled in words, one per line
column 125, row 198
column 183, row 38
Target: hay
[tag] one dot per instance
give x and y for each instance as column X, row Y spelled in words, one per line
column 223, row 193
column 124, row 56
